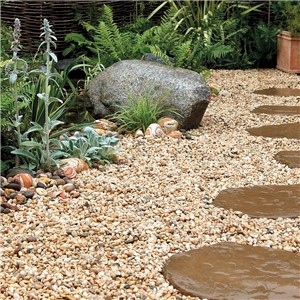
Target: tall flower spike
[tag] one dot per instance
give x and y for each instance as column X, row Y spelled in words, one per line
column 16, row 45
column 48, row 32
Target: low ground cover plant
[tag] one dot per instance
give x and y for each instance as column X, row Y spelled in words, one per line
column 89, row 146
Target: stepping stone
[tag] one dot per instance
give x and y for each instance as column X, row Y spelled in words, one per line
column 281, row 92
column 289, row 158
column 290, row 131
column 230, row 271
column 277, row 109
column 265, row 201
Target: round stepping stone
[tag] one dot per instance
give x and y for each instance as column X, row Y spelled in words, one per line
column 284, row 92
column 265, row 201
column 230, row 271
column 289, row 158
column 290, row 131
column 277, row 110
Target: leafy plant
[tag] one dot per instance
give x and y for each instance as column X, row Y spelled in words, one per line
column 89, row 146
column 141, row 111
column 50, row 57
column 61, row 87
column 161, row 40
column 91, row 68
column 188, row 15
column 104, row 39
column 262, row 45
column 36, row 151
column 16, row 62
column 214, row 32
column 33, row 153
column 293, row 11
column 5, row 46
column 191, row 34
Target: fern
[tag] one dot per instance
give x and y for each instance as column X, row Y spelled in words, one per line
column 156, row 51
column 183, row 51
column 77, row 42
column 217, row 52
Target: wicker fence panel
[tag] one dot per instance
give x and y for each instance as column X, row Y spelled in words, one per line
column 61, row 14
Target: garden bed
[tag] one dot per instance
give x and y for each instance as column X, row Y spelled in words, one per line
column 113, row 241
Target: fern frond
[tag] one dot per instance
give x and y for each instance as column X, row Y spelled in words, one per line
column 155, row 50
column 76, row 37
column 182, row 52
column 218, row 51
column 105, row 40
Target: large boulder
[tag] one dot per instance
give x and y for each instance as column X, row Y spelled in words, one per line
column 186, row 91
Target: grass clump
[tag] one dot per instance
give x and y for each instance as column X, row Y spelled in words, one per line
column 141, row 111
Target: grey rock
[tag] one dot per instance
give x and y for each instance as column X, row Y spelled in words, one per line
column 154, row 58
column 185, row 90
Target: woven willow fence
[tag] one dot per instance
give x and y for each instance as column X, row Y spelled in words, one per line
column 61, row 14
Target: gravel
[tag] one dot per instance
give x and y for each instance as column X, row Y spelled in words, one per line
column 113, row 240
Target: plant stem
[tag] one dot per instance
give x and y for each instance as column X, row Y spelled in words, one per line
column 47, row 104
column 15, row 95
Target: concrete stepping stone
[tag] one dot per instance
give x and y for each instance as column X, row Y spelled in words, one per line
column 289, row 158
column 230, row 271
column 265, row 201
column 280, row 92
column 277, row 110
column 290, row 131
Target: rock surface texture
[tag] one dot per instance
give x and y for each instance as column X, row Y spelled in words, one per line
column 185, row 90
column 265, row 201
column 114, row 239
column 229, row 271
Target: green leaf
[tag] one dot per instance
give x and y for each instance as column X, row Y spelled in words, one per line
column 58, row 154
column 32, row 144
column 3, row 166
column 24, row 153
column 53, row 56
column 41, row 96
column 55, row 99
column 54, row 123
column 34, row 128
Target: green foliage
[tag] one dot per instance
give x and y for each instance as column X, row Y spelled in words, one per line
column 104, row 39
column 188, row 15
column 293, row 11
column 89, row 146
column 45, row 97
column 217, row 34
column 263, row 45
column 13, row 68
column 77, row 43
column 32, row 108
column 191, row 34
column 142, row 110
column 60, row 87
column 33, row 153
column 214, row 36
column 5, row 45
